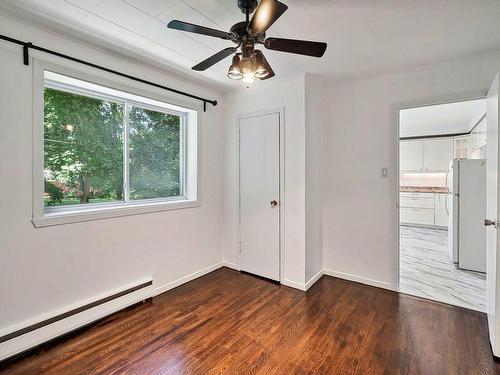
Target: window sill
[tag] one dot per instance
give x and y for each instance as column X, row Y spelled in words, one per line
column 98, row 213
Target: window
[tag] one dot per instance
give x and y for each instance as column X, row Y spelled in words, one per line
column 106, row 149
column 83, row 149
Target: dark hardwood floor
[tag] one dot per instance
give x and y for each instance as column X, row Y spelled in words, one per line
column 232, row 323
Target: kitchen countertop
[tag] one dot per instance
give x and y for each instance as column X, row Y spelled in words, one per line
column 423, row 189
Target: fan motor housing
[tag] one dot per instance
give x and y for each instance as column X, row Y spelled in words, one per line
column 247, row 5
column 239, row 30
column 240, row 33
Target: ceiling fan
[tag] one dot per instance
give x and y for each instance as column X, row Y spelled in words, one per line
column 251, row 63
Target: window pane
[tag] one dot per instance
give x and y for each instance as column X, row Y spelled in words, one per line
column 155, row 154
column 83, row 149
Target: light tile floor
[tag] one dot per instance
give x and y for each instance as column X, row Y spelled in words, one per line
column 427, row 271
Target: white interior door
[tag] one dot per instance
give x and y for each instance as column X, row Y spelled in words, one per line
column 492, row 192
column 259, row 195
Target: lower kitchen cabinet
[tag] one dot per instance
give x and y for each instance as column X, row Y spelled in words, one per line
column 428, row 209
column 417, row 200
column 415, row 215
column 440, row 210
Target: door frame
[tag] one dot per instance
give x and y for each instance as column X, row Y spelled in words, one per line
column 418, row 103
column 281, row 199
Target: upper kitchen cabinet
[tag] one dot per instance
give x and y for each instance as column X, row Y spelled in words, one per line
column 462, row 147
column 411, row 156
column 479, row 140
column 437, row 154
column 427, row 155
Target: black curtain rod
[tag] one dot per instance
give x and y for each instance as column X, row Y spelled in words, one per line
column 27, row 45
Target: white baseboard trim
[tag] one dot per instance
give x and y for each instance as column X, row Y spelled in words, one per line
column 358, row 279
column 294, row 284
column 31, row 339
column 233, row 266
column 38, row 336
column 188, row 278
column 313, row 279
column 303, row 286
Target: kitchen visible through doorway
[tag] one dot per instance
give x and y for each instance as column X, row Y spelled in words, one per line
column 442, row 202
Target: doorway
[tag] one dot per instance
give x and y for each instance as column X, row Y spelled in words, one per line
column 442, row 202
column 260, row 196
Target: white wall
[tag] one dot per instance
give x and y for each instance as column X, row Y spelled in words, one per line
column 314, row 104
column 46, row 269
column 264, row 95
column 360, row 137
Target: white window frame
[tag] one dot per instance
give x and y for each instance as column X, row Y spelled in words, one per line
column 47, row 216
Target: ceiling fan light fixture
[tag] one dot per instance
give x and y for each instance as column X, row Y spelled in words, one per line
column 247, row 67
column 250, row 63
column 260, row 67
column 234, row 70
column 248, row 78
column 261, row 72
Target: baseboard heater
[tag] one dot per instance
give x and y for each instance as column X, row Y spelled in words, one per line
column 31, row 334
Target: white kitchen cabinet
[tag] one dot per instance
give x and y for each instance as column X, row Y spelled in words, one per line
column 478, row 141
column 411, row 156
column 437, row 154
column 417, row 200
column 461, row 147
column 428, row 155
column 416, row 208
column 440, row 210
column 428, row 209
column 414, row 215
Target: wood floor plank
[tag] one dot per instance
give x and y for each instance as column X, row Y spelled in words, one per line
column 232, row 323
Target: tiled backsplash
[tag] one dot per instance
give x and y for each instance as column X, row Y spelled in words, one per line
column 423, row 179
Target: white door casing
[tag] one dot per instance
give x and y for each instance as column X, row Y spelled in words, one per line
column 259, row 182
column 492, row 198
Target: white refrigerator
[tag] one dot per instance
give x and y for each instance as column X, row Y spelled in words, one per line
column 466, row 205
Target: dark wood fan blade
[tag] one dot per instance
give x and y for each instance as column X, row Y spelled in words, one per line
column 265, row 15
column 197, row 29
column 212, row 60
column 268, row 67
column 301, row 47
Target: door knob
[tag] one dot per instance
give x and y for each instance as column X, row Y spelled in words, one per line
column 488, row 223
column 274, row 203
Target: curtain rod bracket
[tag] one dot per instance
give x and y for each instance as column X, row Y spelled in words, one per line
column 26, row 55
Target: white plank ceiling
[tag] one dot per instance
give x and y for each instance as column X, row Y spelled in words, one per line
column 365, row 37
